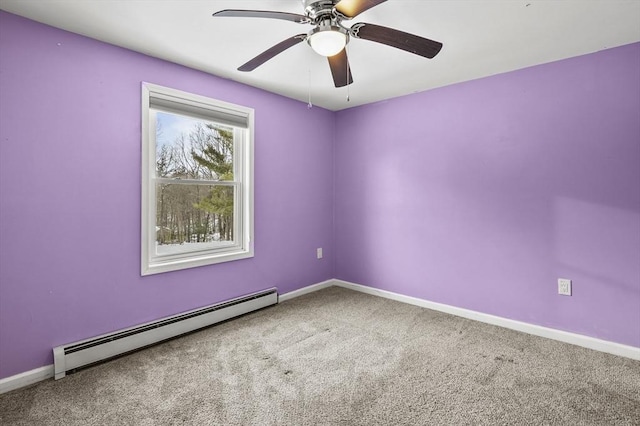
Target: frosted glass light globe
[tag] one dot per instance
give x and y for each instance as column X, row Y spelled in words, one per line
column 328, row 42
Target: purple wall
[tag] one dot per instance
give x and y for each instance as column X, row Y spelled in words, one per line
column 477, row 195
column 70, row 193
column 480, row 195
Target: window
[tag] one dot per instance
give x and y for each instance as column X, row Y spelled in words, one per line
column 197, row 180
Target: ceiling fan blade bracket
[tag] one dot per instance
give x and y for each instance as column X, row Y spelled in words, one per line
column 339, row 16
column 355, row 29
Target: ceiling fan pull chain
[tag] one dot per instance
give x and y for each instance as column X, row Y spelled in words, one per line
column 309, row 105
column 346, row 51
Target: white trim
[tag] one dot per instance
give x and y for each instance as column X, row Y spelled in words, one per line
column 43, row 373
column 305, row 290
column 216, row 111
column 537, row 330
column 25, row 379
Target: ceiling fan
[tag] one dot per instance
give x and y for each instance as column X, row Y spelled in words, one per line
column 330, row 36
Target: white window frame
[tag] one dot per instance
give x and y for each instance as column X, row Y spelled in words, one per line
column 242, row 120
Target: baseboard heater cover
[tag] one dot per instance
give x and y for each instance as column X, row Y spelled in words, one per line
column 90, row 351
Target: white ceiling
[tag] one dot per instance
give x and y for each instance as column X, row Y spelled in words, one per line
column 480, row 37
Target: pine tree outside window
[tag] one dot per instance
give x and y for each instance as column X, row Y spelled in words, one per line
column 197, row 201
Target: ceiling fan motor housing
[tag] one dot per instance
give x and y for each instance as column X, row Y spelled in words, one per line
column 319, row 10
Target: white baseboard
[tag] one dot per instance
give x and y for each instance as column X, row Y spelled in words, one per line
column 47, row 372
column 305, row 290
column 537, row 330
column 43, row 373
column 25, row 379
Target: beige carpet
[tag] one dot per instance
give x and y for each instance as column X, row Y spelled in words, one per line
column 338, row 357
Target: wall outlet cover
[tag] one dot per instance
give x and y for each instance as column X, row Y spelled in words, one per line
column 564, row 286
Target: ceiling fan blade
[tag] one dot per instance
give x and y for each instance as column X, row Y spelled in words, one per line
column 398, row 39
column 238, row 13
column 340, row 69
column 350, row 8
column 271, row 52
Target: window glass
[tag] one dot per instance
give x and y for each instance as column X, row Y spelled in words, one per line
column 197, row 195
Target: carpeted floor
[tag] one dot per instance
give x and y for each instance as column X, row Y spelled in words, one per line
column 338, row 357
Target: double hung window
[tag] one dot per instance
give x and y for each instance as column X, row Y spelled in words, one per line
column 197, row 194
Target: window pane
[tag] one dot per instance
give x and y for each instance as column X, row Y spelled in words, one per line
column 193, row 217
column 192, row 148
column 197, row 180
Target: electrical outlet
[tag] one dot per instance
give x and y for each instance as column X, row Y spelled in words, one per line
column 319, row 252
column 564, row 286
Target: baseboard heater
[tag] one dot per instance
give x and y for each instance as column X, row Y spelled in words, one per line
column 90, row 351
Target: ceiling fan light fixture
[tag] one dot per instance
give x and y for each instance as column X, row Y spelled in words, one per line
column 327, row 40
